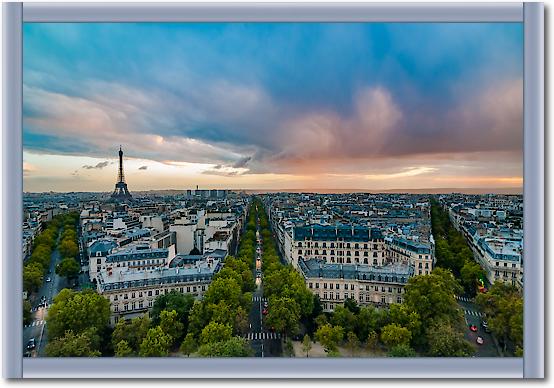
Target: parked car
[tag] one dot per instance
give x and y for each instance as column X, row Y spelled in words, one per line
column 48, row 280
column 31, row 344
column 266, row 303
column 265, row 311
column 479, row 341
column 473, row 328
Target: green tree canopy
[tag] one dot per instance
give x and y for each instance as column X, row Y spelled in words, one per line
column 170, row 324
column 402, row 350
column 122, row 349
column 445, row 341
column 172, row 301
column 155, row 344
column 68, row 268
column 394, row 334
column 77, row 311
column 72, row 345
column 233, row 347
column 215, row 332
column 329, row 336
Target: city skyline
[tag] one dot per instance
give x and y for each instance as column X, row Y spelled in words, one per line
column 273, row 106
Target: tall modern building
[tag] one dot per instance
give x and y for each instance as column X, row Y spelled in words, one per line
column 121, row 193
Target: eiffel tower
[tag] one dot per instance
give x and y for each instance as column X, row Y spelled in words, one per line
column 121, row 193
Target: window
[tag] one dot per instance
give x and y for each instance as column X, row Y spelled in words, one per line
column 390, row 289
column 352, row 286
column 325, row 295
column 346, row 295
column 300, row 251
column 116, row 308
column 374, row 246
column 356, row 253
column 98, row 261
column 310, row 285
column 317, row 285
column 420, row 265
column 149, row 293
column 337, row 286
column 331, row 286
column 346, row 286
column 157, row 292
column 133, row 295
column 383, row 300
column 398, row 299
column 325, row 285
column 141, row 305
column 126, row 296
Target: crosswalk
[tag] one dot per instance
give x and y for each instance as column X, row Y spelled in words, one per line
column 474, row 313
column 36, row 323
column 464, row 299
column 262, row 336
column 259, row 299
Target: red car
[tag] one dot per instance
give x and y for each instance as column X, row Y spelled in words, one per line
column 473, row 328
column 265, row 311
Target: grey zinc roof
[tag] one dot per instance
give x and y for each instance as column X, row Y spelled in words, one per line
column 393, row 273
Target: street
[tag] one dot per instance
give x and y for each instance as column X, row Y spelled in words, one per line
column 265, row 343
column 473, row 316
column 49, row 289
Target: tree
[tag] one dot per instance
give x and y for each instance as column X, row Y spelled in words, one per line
column 394, row 334
column 470, row 273
column 307, row 344
column 215, row 332
column 283, row 315
column 174, row 300
column 403, row 316
column 367, row 320
column 503, row 304
column 372, row 342
column 77, row 311
column 171, row 325
column 402, row 350
column 352, row 305
column 133, row 332
column 329, row 336
column 345, row 318
column 32, row 277
column 233, row 347
column 122, row 349
column 72, row 345
column 68, row 268
column 156, row 343
column 224, row 289
column 432, row 297
column 352, row 342
column 241, row 321
column 445, row 341
column 68, row 248
column 27, row 318
column 189, row 345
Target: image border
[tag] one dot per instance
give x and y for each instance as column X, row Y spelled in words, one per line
column 530, row 366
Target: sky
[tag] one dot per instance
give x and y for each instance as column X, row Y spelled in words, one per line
column 374, row 106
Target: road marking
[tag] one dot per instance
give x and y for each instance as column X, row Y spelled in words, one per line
column 474, row 313
column 259, row 299
column 262, row 336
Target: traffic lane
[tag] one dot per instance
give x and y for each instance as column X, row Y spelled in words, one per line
column 35, row 330
column 487, row 349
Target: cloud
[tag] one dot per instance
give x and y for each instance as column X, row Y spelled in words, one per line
column 28, row 168
column 242, row 162
column 143, row 167
column 98, row 166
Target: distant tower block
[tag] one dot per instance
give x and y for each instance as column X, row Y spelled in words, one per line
column 121, row 193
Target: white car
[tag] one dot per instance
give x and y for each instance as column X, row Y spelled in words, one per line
column 48, row 280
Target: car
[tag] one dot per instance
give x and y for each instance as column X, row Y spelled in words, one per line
column 31, row 344
column 48, row 280
column 473, row 328
column 479, row 341
column 265, row 311
column 266, row 303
